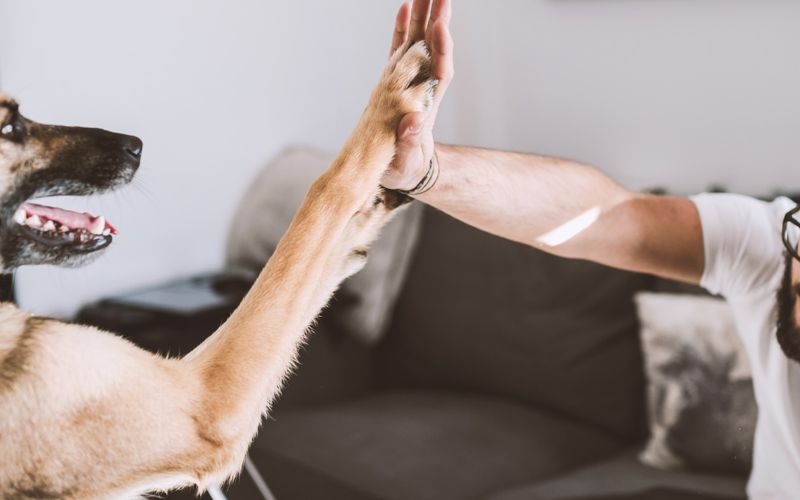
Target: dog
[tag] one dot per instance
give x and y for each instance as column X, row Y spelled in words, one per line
column 86, row 414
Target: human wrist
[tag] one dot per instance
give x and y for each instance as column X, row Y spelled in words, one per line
column 409, row 169
column 428, row 181
column 411, row 180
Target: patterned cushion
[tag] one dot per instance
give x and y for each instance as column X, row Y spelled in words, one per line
column 700, row 396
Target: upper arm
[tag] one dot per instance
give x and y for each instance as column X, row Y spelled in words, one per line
column 669, row 238
column 658, row 235
column 729, row 244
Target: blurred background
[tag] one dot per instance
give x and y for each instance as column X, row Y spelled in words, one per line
column 656, row 92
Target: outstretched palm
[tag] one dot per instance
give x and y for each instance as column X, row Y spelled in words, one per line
column 429, row 21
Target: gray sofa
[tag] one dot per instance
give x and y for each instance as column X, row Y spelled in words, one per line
column 505, row 374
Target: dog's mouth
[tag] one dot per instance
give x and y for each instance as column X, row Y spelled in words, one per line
column 57, row 227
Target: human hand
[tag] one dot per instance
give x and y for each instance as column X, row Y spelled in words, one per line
column 415, row 145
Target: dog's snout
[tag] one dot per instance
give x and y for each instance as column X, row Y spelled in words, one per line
column 133, row 146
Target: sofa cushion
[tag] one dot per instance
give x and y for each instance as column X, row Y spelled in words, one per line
column 418, row 445
column 700, row 395
column 624, row 477
column 480, row 313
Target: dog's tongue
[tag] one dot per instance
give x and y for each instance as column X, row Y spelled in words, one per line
column 73, row 220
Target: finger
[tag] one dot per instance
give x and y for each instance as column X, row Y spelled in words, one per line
column 442, row 55
column 442, row 9
column 401, row 27
column 408, row 165
column 420, row 11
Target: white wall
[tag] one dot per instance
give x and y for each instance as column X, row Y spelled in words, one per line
column 657, row 92
column 214, row 88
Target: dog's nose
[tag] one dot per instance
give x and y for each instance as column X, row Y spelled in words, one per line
column 133, row 146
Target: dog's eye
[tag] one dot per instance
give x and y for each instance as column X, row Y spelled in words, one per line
column 12, row 131
column 8, row 130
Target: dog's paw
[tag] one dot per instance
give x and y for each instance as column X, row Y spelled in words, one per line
column 411, row 76
column 406, row 85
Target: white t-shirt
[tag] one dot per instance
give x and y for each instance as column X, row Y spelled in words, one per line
column 744, row 256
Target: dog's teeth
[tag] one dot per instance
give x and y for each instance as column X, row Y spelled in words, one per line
column 20, row 216
column 34, row 221
column 106, row 232
column 84, row 236
column 64, row 229
column 49, row 226
column 98, row 226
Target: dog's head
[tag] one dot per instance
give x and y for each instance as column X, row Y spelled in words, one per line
column 39, row 160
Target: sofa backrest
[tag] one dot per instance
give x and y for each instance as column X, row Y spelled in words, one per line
column 482, row 314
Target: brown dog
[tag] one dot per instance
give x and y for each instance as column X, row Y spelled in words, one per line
column 85, row 414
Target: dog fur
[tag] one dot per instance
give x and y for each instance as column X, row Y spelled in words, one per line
column 88, row 415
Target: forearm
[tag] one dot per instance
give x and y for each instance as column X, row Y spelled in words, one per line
column 537, row 200
column 568, row 209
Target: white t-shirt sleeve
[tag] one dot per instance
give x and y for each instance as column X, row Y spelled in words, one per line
column 742, row 242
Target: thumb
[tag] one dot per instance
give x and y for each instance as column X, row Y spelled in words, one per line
column 404, row 170
column 409, row 131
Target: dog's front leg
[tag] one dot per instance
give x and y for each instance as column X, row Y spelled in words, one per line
column 241, row 367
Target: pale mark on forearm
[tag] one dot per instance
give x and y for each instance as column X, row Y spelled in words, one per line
column 570, row 229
